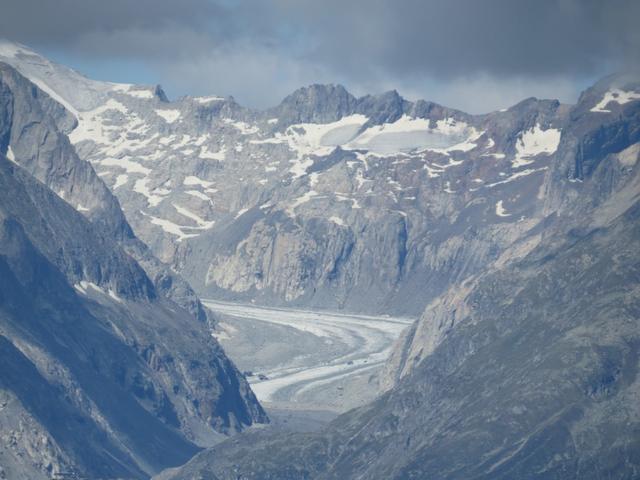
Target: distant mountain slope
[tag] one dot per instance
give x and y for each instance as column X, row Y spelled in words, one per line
column 102, row 374
column 368, row 204
column 529, row 368
column 593, row 178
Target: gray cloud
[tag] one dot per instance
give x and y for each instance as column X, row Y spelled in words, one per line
column 469, row 54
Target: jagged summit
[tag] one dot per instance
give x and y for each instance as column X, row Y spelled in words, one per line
column 314, row 104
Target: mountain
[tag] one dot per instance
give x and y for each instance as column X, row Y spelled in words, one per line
column 111, row 368
column 528, row 368
column 599, row 145
column 372, row 204
column 514, row 234
column 102, row 374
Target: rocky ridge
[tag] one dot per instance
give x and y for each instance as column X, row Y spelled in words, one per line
column 326, row 200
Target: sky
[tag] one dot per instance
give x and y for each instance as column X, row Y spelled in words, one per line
column 475, row 55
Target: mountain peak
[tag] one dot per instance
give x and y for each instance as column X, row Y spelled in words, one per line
column 384, row 107
column 321, row 89
column 317, row 103
column 159, row 93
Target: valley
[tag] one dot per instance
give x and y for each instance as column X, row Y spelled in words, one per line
column 479, row 269
column 307, row 359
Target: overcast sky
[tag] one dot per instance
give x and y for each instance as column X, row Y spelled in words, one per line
column 476, row 55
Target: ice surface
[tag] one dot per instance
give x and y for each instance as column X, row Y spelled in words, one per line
column 368, row 342
column 55, row 95
column 409, row 134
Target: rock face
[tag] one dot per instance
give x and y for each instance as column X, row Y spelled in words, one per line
column 100, row 374
column 529, row 367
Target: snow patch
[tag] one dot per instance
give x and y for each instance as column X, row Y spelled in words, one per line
column 202, row 223
column 337, row 221
column 121, row 180
column 198, row 194
column 243, row 127
column 90, row 126
column 300, row 167
column 193, row 180
column 522, row 173
column 83, row 287
column 209, row 99
column 499, row 156
column 133, row 91
column 615, row 95
column 534, row 142
column 170, row 227
column 219, row 155
column 500, row 211
column 299, row 201
column 169, row 116
column 10, row 156
column 241, row 212
column 154, row 197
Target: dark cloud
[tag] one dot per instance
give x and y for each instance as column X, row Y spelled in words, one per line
column 458, row 37
column 259, row 50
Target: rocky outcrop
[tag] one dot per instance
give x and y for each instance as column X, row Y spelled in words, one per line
column 108, row 377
